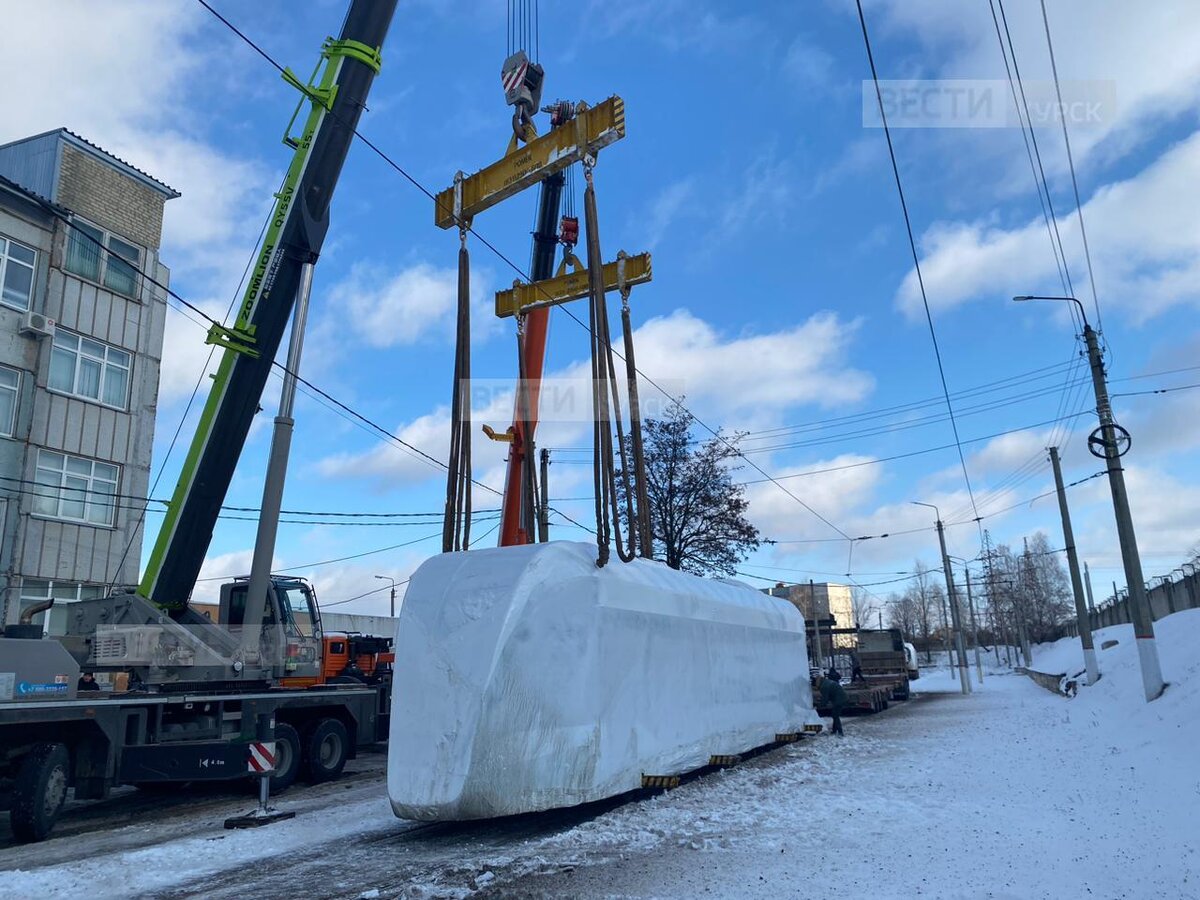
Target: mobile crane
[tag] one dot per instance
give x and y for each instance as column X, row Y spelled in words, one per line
column 198, row 690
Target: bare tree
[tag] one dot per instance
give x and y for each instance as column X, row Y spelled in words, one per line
column 902, row 613
column 924, row 599
column 864, row 607
column 697, row 512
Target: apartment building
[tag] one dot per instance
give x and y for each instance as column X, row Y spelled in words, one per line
column 81, row 336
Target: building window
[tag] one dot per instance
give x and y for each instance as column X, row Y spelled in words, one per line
column 10, row 388
column 16, row 273
column 75, row 489
column 116, row 269
column 85, row 367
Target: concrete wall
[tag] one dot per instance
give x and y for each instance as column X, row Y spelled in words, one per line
column 1177, row 594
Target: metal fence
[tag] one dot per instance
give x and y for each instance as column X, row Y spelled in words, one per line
column 1166, row 593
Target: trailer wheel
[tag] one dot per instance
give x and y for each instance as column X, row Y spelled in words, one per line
column 326, row 749
column 287, row 757
column 40, row 791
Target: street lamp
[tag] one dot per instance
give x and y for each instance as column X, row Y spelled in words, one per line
column 1110, row 442
column 393, row 581
column 963, row 678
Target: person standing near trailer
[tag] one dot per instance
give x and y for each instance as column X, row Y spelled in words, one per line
column 834, row 697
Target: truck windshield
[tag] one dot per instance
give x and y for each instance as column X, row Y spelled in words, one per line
column 295, row 603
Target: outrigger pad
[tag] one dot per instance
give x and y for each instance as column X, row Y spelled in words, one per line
column 257, row 819
column 528, row 679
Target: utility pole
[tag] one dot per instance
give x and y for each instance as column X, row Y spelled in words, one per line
column 974, row 626
column 963, row 678
column 1087, row 583
column 1106, row 443
column 1081, row 613
column 393, row 600
column 544, row 510
column 1023, row 611
column 946, row 638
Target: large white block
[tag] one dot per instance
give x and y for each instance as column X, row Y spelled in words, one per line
column 527, row 679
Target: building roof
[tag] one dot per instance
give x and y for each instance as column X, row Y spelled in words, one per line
column 84, row 145
column 10, row 185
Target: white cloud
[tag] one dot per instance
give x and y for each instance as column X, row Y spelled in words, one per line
column 808, row 65
column 216, row 570
column 395, row 308
column 801, row 365
column 125, row 69
column 805, row 364
column 1144, row 51
column 1145, row 245
column 665, row 210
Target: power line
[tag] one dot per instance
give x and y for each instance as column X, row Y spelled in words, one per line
column 1039, row 175
column 912, row 243
column 911, row 453
column 1167, row 390
column 328, row 562
column 525, row 277
column 1062, row 116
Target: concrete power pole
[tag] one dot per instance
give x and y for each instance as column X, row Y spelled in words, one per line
column 1081, row 613
column 963, row 678
column 1143, row 625
column 974, row 625
column 1107, row 442
column 1087, row 583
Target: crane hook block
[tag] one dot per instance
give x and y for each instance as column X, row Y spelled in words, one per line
column 522, row 81
column 568, row 232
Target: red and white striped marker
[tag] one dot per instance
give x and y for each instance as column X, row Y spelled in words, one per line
column 262, row 757
column 514, row 77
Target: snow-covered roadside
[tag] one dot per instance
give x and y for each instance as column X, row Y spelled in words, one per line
column 213, row 851
column 1011, row 792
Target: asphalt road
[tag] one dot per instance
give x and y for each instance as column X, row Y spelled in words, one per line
column 364, row 851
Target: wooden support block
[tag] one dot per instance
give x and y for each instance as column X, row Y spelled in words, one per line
column 724, row 760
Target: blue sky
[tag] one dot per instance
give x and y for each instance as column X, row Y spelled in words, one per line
column 783, row 292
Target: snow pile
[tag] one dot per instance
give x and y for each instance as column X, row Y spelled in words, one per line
column 1115, row 709
column 529, row 679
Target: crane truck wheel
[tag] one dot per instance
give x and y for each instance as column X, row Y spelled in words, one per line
column 327, row 745
column 287, row 757
column 40, row 791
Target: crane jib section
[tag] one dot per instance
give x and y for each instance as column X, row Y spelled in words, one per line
column 337, row 94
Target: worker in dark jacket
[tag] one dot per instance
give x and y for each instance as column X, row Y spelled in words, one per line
column 87, row 682
column 834, row 697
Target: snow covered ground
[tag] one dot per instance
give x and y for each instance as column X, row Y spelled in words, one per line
column 1011, row 792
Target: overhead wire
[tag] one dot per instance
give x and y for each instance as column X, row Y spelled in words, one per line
column 1062, row 117
column 912, row 243
column 767, row 477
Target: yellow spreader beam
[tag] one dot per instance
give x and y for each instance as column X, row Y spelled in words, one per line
column 592, row 129
column 569, row 286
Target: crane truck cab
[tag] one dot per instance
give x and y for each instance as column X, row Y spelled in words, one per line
column 291, row 626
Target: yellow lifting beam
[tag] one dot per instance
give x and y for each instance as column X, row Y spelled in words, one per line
column 569, row 286
column 592, row 129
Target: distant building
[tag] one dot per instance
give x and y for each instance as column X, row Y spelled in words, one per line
column 81, row 336
column 821, row 601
